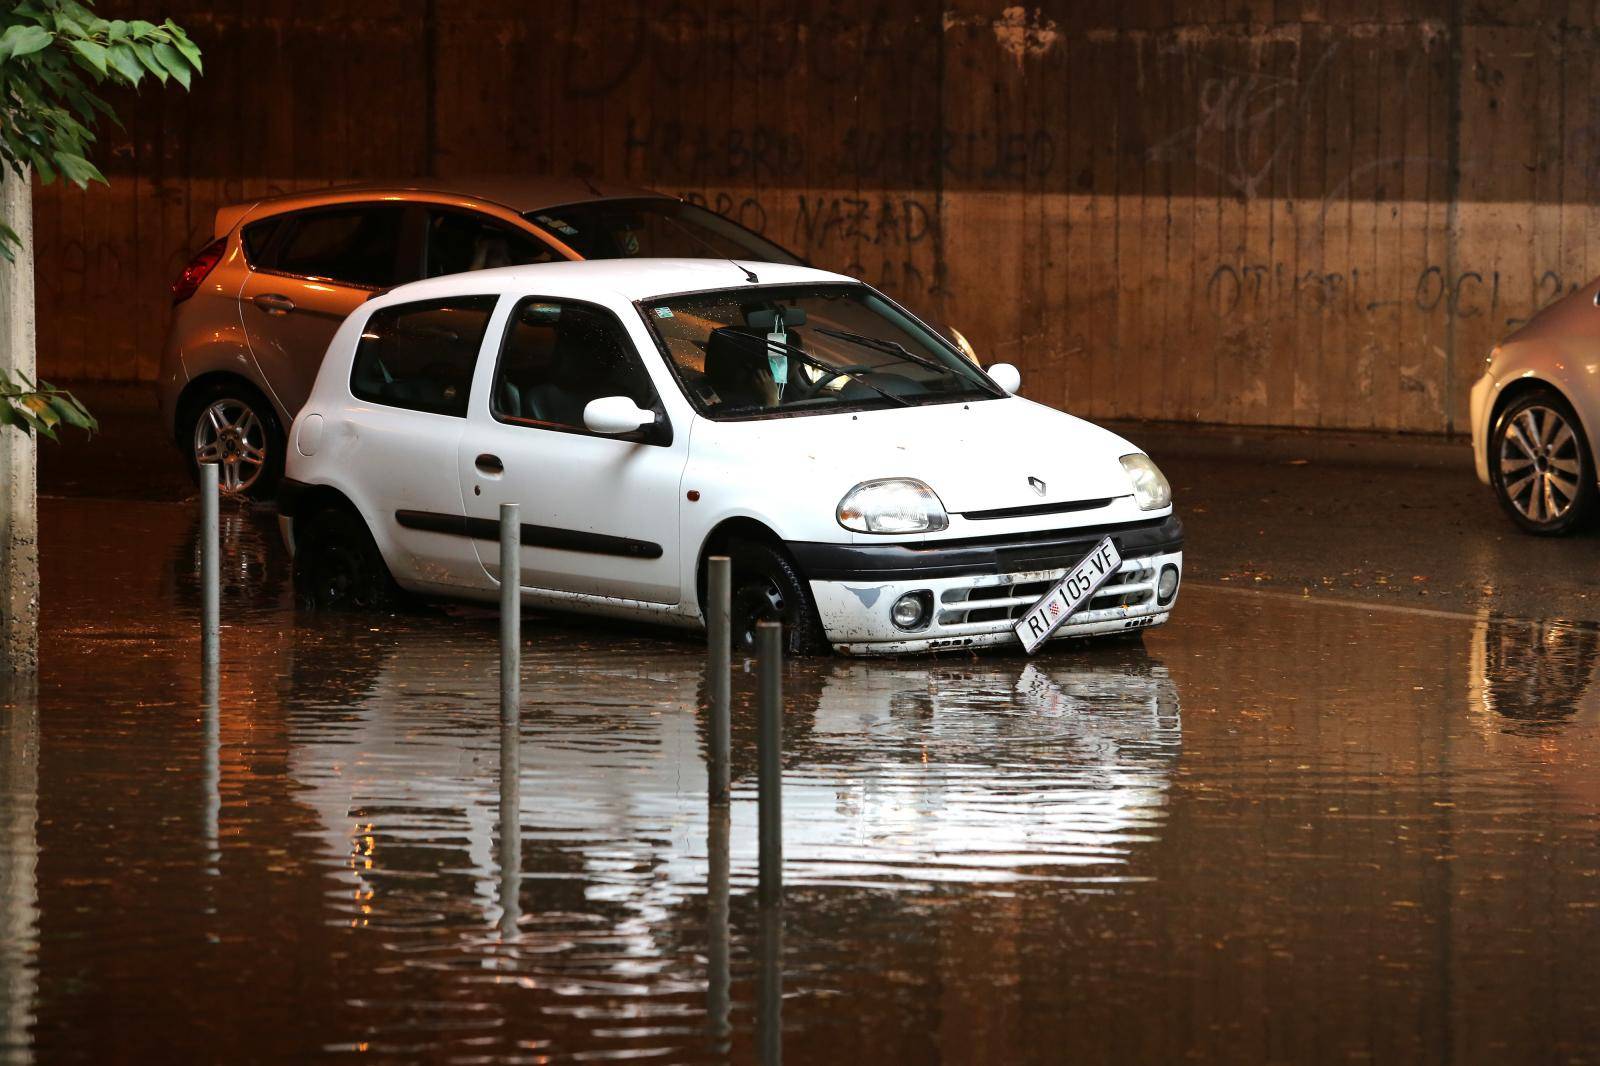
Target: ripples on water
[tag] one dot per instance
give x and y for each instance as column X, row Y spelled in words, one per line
column 987, row 859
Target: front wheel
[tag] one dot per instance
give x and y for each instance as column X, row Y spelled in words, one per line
column 337, row 565
column 768, row 587
column 1540, row 466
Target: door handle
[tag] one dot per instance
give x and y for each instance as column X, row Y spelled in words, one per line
column 490, row 464
column 274, row 303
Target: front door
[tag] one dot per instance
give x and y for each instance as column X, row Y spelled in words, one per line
column 318, row 267
column 599, row 514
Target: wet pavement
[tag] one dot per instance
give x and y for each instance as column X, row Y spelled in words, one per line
column 1281, row 828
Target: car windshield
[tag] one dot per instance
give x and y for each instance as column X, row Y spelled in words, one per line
column 654, row 228
column 775, row 350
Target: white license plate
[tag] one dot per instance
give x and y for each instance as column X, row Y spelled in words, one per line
column 1068, row 594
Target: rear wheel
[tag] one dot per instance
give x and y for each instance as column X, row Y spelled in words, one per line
column 768, row 587
column 231, row 424
column 1540, row 466
column 337, row 565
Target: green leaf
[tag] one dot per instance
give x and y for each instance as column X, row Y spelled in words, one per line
column 173, row 60
column 73, row 413
column 148, row 59
column 78, row 170
column 124, row 63
column 116, row 30
column 93, row 53
column 190, row 50
column 21, row 41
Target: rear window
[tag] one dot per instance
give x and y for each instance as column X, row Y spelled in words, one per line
column 420, row 356
column 357, row 246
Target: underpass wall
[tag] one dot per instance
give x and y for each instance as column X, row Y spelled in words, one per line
column 1301, row 213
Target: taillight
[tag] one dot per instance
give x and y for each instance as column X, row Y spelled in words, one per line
column 202, row 264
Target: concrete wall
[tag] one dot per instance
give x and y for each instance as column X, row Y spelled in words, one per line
column 1309, row 212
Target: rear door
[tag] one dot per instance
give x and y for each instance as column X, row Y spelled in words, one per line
column 309, row 270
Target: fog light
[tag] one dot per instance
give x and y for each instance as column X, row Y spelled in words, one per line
column 911, row 611
column 1167, row 587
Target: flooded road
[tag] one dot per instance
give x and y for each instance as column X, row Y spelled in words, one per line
column 1275, row 830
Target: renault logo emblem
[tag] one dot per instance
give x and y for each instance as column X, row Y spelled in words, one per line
column 1036, row 485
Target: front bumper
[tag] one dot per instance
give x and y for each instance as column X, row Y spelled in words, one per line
column 980, row 588
column 1478, row 403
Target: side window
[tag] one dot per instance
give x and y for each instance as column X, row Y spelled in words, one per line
column 559, row 356
column 459, row 242
column 257, row 238
column 357, row 246
column 421, row 355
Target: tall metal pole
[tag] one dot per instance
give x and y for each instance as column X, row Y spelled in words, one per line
column 510, row 825
column 718, row 978
column 210, row 564
column 769, row 759
column 719, row 587
column 769, row 1016
column 510, row 610
column 510, row 718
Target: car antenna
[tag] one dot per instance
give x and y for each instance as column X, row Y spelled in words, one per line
column 749, row 275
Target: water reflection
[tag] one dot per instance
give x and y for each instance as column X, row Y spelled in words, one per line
column 897, row 776
column 1536, row 675
column 19, row 861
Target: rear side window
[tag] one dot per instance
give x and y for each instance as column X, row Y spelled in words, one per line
column 357, row 246
column 421, row 355
column 459, row 242
column 257, row 238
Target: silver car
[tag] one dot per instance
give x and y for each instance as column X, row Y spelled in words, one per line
column 255, row 309
column 1535, row 416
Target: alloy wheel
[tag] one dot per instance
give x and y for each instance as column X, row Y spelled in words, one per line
column 1541, row 465
column 230, row 434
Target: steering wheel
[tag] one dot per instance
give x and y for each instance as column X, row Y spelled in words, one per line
column 808, row 390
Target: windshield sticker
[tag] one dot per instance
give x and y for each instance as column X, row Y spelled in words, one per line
column 663, row 312
column 558, row 224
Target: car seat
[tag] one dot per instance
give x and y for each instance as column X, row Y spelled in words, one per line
column 737, row 368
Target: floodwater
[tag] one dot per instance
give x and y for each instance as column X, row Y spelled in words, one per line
column 1276, row 830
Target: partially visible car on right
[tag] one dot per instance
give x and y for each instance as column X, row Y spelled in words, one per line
column 1535, row 413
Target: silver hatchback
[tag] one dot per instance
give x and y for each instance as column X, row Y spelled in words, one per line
column 255, row 308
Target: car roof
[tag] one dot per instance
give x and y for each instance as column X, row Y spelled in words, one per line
column 517, row 193
column 631, row 279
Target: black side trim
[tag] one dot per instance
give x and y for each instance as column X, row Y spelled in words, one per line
column 289, row 493
column 571, row 540
column 1034, row 509
column 1048, row 550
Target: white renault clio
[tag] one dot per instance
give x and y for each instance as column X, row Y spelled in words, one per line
column 876, row 491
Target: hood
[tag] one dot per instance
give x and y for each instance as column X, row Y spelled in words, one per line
column 977, row 456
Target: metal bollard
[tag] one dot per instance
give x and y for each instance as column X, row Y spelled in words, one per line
column 769, row 1019
column 210, row 564
column 719, row 586
column 510, row 718
column 769, row 759
column 510, row 610
column 510, row 825
column 719, row 1028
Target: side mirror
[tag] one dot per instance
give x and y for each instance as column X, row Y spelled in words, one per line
column 1006, row 376
column 616, row 415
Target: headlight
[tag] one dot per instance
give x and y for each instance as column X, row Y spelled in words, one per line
column 1150, row 487
column 894, row 505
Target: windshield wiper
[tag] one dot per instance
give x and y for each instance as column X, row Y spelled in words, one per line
column 881, row 344
column 827, row 368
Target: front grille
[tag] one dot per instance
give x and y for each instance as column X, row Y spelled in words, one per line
column 1007, row 597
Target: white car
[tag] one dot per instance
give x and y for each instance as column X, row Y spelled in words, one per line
column 876, row 491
